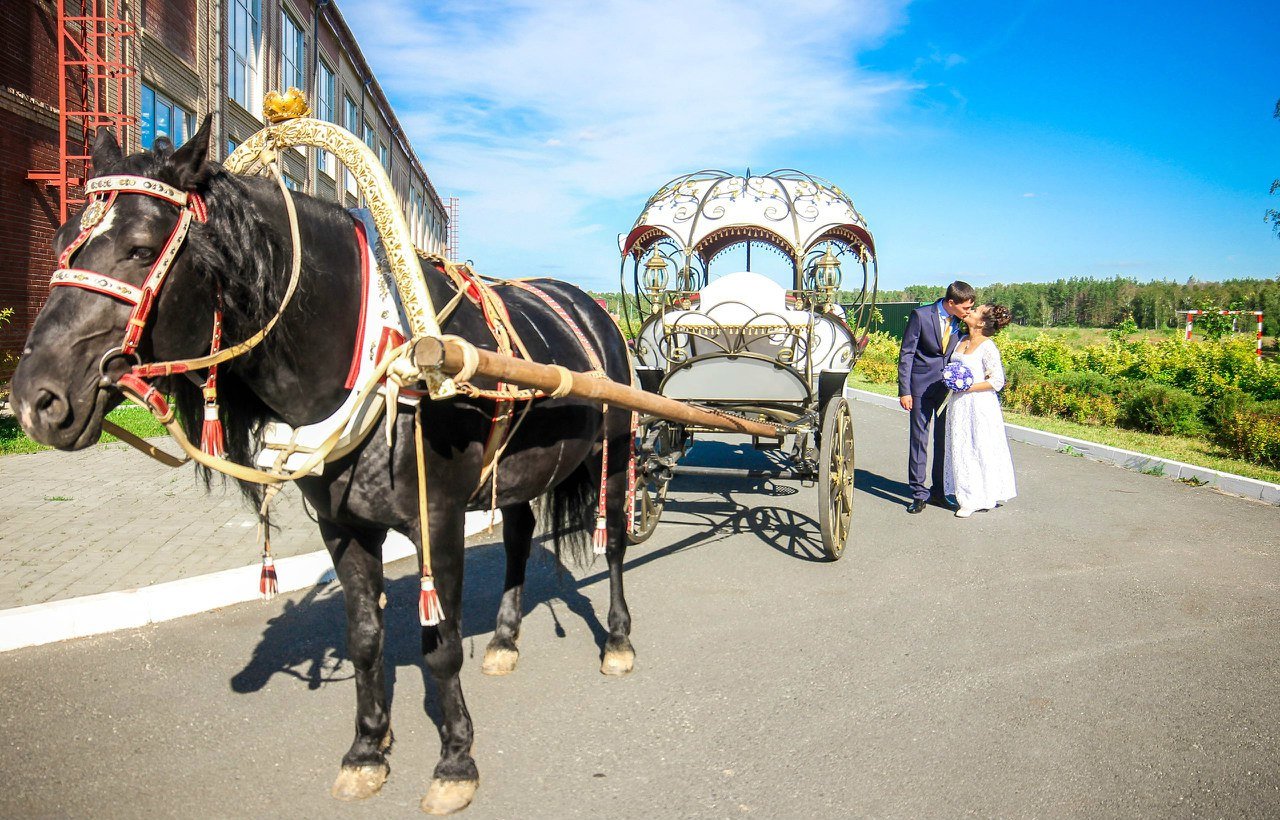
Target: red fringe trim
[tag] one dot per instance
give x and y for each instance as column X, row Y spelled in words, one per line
column 430, row 612
column 268, row 584
column 212, row 440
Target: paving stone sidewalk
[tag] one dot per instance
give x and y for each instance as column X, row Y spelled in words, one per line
column 108, row 518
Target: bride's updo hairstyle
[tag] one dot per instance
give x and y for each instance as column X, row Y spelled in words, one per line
column 995, row 319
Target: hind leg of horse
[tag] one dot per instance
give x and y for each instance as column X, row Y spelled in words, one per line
column 501, row 655
column 357, row 559
column 454, row 781
column 619, row 656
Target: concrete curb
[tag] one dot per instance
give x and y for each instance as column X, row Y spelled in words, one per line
column 129, row 609
column 1141, row 462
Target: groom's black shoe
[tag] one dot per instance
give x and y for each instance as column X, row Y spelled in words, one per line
column 943, row 502
column 917, row 505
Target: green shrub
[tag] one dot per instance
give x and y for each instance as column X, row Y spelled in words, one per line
column 878, row 372
column 1053, row 397
column 1089, row 383
column 8, row 360
column 1158, row 408
column 1252, row 436
column 1049, row 353
column 1219, row 410
column 878, row 363
column 1018, row 372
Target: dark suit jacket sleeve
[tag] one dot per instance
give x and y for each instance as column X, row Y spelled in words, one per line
column 910, row 340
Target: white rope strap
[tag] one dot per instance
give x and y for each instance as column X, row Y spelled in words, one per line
column 470, row 359
column 566, row 381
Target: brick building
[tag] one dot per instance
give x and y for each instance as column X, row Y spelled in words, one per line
column 184, row 59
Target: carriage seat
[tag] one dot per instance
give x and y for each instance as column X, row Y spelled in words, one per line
column 742, row 297
column 739, row 313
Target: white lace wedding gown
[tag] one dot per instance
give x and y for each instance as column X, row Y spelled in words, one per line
column 978, row 467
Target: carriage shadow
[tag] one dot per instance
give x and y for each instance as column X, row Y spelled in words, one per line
column 735, row 511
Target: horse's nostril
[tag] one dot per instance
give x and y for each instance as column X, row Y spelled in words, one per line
column 51, row 407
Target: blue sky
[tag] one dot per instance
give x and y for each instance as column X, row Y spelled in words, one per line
column 994, row 142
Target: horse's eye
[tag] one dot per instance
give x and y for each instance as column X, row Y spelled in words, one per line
column 142, row 254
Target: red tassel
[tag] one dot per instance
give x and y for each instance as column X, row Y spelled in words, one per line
column 600, row 539
column 211, row 438
column 268, row 584
column 430, row 612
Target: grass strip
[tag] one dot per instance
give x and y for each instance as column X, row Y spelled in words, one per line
column 135, row 419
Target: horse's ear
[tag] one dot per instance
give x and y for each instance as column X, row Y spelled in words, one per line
column 190, row 162
column 106, row 151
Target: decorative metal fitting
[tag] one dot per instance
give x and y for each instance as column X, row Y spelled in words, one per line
column 290, row 105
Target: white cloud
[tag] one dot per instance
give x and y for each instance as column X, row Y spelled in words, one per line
column 549, row 118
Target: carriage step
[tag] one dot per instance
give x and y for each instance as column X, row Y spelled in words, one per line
column 766, row 443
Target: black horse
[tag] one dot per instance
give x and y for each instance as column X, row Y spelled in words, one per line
column 239, row 258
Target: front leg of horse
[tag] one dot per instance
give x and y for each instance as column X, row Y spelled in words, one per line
column 357, row 560
column 501, row 655
column 454, row 781
column 619, row 656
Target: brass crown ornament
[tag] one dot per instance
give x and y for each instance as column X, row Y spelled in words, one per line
column 290, row 105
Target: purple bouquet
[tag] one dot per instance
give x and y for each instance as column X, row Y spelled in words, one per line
column 956, row 376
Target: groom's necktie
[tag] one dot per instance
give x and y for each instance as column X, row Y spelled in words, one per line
column 946, row 334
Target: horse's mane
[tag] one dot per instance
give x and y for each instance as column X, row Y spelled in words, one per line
column 248, row 263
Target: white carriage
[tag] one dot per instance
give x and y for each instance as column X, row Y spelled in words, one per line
column 738, row 341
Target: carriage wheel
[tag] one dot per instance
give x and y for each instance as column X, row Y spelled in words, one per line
column 835, row 477
column 651, row 495
column 651, row 490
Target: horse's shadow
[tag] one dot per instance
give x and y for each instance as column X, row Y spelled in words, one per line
column 307, row 639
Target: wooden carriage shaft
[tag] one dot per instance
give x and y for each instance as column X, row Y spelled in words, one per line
column 447, row 355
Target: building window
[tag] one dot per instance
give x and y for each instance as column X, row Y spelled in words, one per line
column 370, row 137
column 162, row 117
column 244, row 38
column 231, row 146
column 384, row 154
column 293, row 53
column 291, row 183
column 324, row 111
column 352, row 117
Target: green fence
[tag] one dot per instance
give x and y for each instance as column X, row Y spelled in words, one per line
column 895, row 317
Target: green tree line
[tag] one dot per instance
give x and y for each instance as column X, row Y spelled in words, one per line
column 1087, row 302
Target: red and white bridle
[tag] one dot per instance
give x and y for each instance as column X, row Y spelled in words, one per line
column 102, row 193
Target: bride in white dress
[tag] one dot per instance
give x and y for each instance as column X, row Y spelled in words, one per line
column 978, row 469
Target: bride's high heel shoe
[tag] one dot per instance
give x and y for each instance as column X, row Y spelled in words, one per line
column 964, row 512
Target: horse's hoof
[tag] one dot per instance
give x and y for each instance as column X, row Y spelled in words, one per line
column 618, row 662
column 448, row 796
column 499, row 661
column 359, row 782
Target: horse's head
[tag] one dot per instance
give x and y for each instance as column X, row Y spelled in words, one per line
column 134, row 292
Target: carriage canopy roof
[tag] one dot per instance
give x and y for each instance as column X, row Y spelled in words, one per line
column 709, row 211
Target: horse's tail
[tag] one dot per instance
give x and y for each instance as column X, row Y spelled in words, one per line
column 572, row 508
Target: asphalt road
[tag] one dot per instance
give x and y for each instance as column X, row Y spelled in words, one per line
column 1106, row 645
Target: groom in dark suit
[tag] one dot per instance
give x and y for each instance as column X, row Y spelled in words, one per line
column 932, row 333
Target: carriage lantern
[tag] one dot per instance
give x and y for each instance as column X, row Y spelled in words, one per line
column 827, row 278
column 655, row 275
